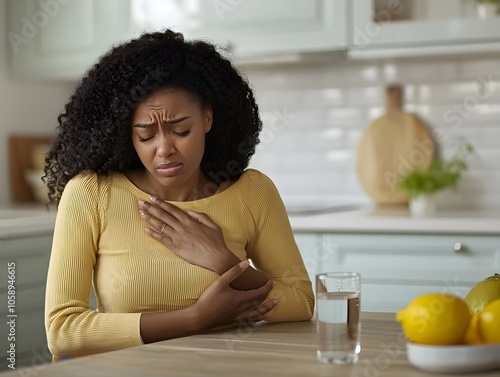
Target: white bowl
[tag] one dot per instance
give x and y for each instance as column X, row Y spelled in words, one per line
column 38, row 187
column 454, row 359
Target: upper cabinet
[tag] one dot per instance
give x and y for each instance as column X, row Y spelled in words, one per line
column 386, row 28
column 63, row 38
column 249, row 28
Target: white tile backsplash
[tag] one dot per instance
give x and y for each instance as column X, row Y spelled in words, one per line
column 479, row 68
column 421, row 72
column 315, row 116
column 489, row 137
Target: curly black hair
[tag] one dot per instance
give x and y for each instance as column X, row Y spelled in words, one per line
column 95, row 132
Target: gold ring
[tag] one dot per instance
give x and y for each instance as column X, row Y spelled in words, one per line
column 163, row 228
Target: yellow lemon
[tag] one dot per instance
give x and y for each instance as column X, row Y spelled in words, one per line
column 435, row 318
column 483, row 293
column 472, row 335
column 489, row 323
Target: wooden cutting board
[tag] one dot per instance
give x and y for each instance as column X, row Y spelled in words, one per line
column 392, row 146
column 21, row 148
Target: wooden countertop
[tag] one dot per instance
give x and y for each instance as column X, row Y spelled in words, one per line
column 285, row 349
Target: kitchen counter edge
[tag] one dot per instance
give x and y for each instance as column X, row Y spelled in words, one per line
column 399, row 221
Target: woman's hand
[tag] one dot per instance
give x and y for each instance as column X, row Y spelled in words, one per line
column 191, row 235
column 221, row 305
column 218, row 307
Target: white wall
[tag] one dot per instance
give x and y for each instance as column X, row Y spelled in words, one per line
column 315, row 116
column 25, row 108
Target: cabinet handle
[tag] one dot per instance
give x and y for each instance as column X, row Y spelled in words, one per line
column 458, row 247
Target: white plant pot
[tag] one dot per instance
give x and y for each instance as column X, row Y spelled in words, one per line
column 423, row 205
column 487, row 10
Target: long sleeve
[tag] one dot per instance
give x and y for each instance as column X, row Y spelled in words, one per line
column 73, row 329
column 99, row 238
column 273, row 250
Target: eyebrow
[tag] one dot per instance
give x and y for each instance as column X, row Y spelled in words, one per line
column 170, row 121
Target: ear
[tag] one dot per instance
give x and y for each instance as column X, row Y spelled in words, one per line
column 209, row 117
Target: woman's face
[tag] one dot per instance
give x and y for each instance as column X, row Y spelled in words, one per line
column 168, row 133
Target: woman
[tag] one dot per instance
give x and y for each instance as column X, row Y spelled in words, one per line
column 156, row 208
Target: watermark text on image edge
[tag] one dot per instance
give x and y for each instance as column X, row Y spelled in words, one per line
column 11, row 314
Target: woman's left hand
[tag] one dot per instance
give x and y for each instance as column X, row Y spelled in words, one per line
column 191, row 235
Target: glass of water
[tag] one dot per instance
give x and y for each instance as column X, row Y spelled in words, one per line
column 338, row 309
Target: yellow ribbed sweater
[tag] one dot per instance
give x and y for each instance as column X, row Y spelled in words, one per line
column 99, row 240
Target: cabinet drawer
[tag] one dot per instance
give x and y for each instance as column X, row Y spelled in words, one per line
column 309, row 245
column 395, row 268
column 15, row 246
column 31, row 255
column 391, row 297
column 442, row 259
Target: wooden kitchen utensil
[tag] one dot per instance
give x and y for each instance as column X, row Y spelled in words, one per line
column 392, row 146
column 21, row 160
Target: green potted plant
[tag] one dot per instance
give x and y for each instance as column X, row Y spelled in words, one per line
column 421, row 186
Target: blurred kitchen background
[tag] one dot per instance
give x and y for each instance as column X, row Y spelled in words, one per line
column 316, row 93
column 319, row 69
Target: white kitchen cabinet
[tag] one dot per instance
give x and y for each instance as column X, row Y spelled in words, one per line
column 61, row 39
column 30, row 253
column 309, row 245
column 395, row 268
column 249, row 28
column 438, row 27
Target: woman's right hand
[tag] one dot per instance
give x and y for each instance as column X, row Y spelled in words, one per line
column 221, row 305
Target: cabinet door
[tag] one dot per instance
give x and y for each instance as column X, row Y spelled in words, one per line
column 431, row 25
column 249, row 28
column 61, row 39
column 309, row 245
column 30, row 254
column 396, row 268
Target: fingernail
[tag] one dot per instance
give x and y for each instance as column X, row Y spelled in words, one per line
column 244, row 264
column 142, row 213
column 276, row 302
column 273, row 283
column 141, row 203
column 153, row 198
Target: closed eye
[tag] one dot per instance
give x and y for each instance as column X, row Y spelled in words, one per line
column 142, row 139
column 182, row 134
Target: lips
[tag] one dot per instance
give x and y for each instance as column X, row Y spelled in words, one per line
column 170, row 169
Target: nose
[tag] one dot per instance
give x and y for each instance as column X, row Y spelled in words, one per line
column 166, row 145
